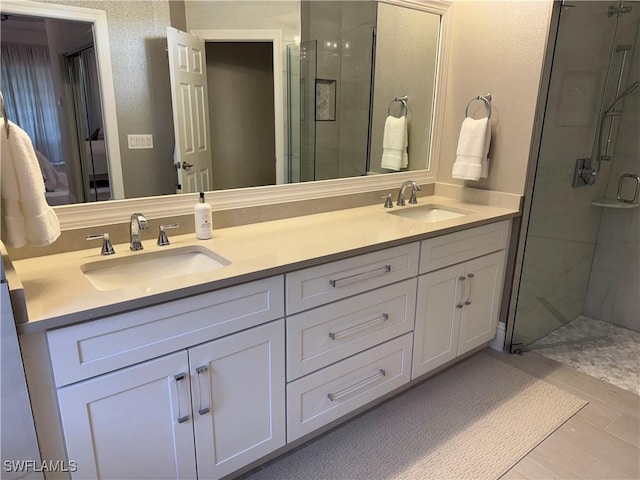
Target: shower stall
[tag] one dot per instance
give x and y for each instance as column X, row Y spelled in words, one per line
column 580, row 271
column 330, row 82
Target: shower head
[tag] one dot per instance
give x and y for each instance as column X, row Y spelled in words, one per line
column 628, row 91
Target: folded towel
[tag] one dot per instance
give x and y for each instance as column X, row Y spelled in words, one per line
column 26, row 217
column 394, row 143
column 405, row 152
column 473, row 146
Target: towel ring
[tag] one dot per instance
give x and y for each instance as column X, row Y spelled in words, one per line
column 403, row 108
column 487, row 101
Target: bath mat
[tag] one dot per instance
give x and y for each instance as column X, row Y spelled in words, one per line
column 473, row 421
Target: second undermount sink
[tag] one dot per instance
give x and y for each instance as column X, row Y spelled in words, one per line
column 133, row 270
column 429, row 213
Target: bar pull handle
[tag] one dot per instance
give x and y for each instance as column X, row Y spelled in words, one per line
column 468, row 300
column 350, row 390
column 360, row 276
column 179, row 378
column 202, row 410
column 361, row 326
column 461, row 280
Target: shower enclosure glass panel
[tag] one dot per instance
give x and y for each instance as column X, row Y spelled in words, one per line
column 302, row 65
column 560, row 283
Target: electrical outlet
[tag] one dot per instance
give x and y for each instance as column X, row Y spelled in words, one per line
column 139, row 141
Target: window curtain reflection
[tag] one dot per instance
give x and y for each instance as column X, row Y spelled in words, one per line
column 27, row 85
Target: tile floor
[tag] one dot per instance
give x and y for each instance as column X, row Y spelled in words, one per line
column 614, row 358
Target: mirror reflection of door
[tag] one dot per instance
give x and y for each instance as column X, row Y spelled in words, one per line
column 42, row 98
column 189, row 95
column 237, row 85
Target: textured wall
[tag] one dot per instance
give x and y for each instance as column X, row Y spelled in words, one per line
column 405, row 65
column 496, row 47
column 137, row 32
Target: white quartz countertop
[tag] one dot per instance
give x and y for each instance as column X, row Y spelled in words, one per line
column 58, row 293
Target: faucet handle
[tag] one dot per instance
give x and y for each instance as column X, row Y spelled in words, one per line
column 107, row 248
column 162, row 235
column 413, row 200
column 388, row 203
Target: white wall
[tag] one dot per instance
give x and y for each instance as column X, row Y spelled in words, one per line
column 496, row 47
column 407, row 42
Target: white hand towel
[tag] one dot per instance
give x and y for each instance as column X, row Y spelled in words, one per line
column 394, row 142
column 473, row 146
column 26, row 217
column 405, row 152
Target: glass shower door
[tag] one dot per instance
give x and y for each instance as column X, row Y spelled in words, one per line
column 556, row 284
column 302, row 59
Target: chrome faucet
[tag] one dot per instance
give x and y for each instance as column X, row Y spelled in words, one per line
column 414, row 188
column 137, row 222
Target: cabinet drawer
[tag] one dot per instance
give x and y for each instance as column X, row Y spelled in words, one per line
column 457, row 247
column 328, row 394
column 315, row 286
column 92, row 348
column 325, row 335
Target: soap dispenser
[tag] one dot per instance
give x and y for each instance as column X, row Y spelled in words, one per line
column 202, row 216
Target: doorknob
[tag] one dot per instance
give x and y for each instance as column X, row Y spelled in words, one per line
column 186, row 166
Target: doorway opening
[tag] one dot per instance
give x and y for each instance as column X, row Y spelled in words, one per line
column 241, row 111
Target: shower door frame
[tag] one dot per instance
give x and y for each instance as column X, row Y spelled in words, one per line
column 532, row 170
column 532, row 167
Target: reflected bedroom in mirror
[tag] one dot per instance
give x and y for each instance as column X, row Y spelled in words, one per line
column 218, row 95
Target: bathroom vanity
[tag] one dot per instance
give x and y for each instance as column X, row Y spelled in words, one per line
column 307, row 321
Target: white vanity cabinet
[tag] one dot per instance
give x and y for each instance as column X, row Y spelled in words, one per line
column 355, row 346
column 203, row 386
column 133, row 423
column 202, row 411
column 458, row 306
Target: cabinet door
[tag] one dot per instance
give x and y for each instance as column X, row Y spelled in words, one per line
column 238, row 390
column 437, row 318
column 483, row 292
column 133, row 423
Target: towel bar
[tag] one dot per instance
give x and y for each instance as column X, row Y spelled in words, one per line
column 486, row 98
column 402, row 100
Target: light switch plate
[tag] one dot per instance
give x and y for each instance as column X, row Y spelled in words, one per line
column 139, row 141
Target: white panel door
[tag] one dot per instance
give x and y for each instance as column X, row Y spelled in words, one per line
column 134, row 423
column 437, row 318
column 189, row 96
column 479, row 320
column 238, row 390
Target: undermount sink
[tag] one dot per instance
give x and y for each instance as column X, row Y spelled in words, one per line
column 132, row 270
column 428, row 213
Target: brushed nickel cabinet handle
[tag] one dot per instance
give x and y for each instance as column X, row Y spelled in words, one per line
column 350, row 390
column 179, row 378
column 361, row 326
column 359, row 276
column 202, row 410
column 468, row 300
column 461, row 280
